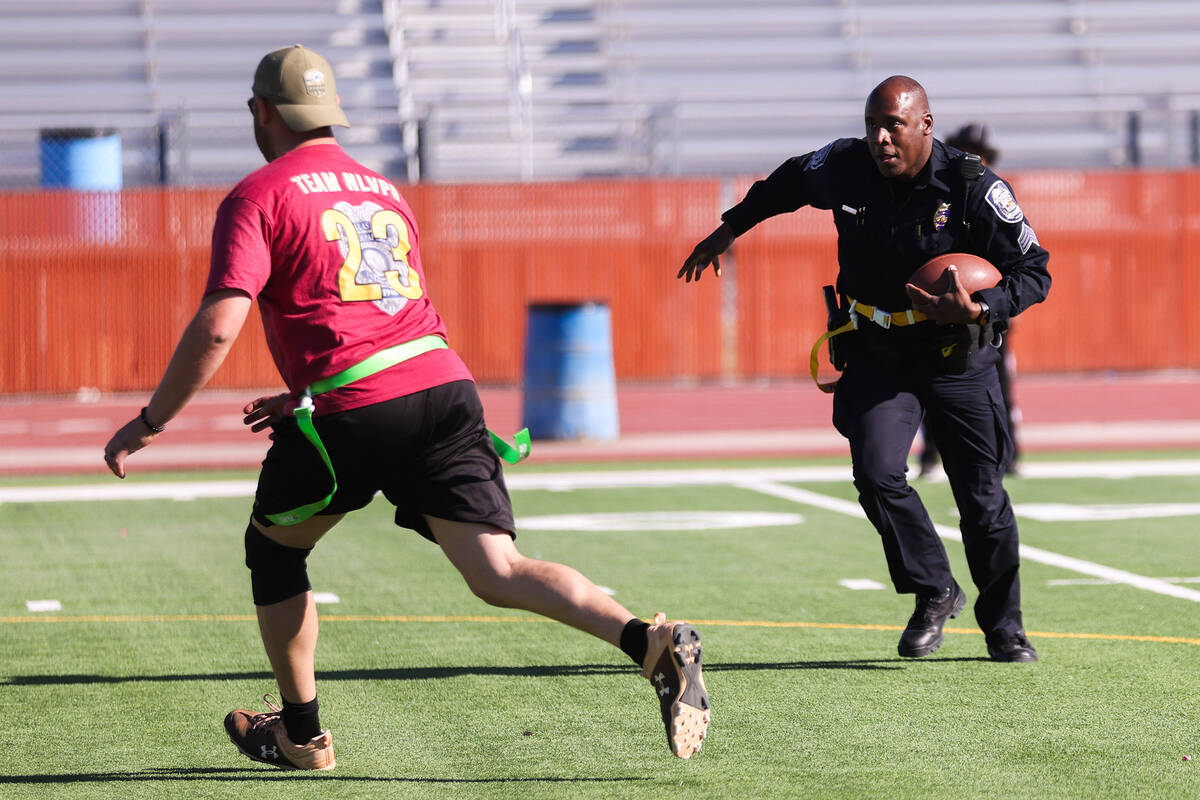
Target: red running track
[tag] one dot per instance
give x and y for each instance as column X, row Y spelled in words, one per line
column 789, row 419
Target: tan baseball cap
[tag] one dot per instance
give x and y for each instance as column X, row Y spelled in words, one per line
column 299, row 83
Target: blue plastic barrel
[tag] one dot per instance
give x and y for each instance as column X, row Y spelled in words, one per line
column 88, row 159
column 570, row 385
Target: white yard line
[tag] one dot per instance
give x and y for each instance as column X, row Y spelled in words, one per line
column 164, row 490
column 1028, row 553
column 520, row 480
column 1104, row 512
column 1101, row 582
column 861, row 584
column 765, row 480
column 43, row 605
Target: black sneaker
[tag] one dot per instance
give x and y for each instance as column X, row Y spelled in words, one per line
column 260, row 736
column 924, row 632
column 672, row 665
column 1010, row 647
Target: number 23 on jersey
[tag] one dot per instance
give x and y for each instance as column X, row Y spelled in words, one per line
column 375, row 245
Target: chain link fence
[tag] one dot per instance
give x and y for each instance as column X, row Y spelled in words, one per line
column 181, row 148
column 126, row 151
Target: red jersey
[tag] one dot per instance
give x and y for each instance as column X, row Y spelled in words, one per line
column 329, row 250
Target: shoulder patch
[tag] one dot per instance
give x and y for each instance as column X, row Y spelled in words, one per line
column 1001, row 199
column 1026, row 238
column 818, row 158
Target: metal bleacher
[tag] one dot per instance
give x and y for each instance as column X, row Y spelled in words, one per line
column 1056, row 81
column 512, row 89
column 172, row 77
column 201, row 55
column 468, row 90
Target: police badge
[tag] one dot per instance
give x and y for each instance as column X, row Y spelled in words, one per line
column 941, row 216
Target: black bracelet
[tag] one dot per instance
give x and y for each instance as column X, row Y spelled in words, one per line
column 146, row 421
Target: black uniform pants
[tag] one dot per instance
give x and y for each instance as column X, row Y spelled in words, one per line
column 878, row 407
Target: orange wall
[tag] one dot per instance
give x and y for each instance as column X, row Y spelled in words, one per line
column 89, row 305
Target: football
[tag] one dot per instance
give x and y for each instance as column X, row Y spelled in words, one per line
column 974, row 273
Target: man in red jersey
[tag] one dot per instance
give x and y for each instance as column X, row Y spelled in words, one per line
column 376, row 401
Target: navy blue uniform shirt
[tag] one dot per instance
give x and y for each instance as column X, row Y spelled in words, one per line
column 886, row 228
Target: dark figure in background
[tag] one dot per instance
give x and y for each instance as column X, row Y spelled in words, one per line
column 900, row 197
column 973, row 138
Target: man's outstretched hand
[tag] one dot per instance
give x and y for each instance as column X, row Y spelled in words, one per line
column 706, row 253
column 263, row 412
column 131, row 437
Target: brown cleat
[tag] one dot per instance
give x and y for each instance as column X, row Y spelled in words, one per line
column 672, row 665
column 262, row 737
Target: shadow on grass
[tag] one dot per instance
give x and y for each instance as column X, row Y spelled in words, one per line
column 437, row 673
column 242, row 774
column 865, row 664
column 389, row 674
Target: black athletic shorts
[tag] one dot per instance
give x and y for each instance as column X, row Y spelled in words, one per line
column 428, row 452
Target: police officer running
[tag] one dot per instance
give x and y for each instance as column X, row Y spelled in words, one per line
column 899, row 197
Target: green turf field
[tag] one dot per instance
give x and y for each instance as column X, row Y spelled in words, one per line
column 430, row 694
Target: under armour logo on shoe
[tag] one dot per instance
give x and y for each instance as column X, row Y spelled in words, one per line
column 270, row 752
column 663, row 689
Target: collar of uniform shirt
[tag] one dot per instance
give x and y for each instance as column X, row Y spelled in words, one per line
column 936, row 168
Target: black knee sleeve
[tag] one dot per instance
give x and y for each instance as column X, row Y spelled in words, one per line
column 276, row 572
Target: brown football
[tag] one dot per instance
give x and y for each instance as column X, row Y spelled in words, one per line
column 974, row 273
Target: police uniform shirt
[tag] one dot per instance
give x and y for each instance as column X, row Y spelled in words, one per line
column 888, row 228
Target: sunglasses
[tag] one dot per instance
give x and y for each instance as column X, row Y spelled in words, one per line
column 250, row 105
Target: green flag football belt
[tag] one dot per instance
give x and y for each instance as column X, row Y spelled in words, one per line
column 511, row 453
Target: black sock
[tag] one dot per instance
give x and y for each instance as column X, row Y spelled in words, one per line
column 633, row 640
column 301, row 720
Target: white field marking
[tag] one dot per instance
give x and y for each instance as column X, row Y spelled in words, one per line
column 567, row 481
column 657, row 521
column 607, row 591
column 946, row 532
column 1115, row 470
column 167, row 490
column 1099, row 582
column 517, row 480
column 861, row 584
column 651, row 478
column 43, row 605
column 1104, row 512
column 326, row 597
